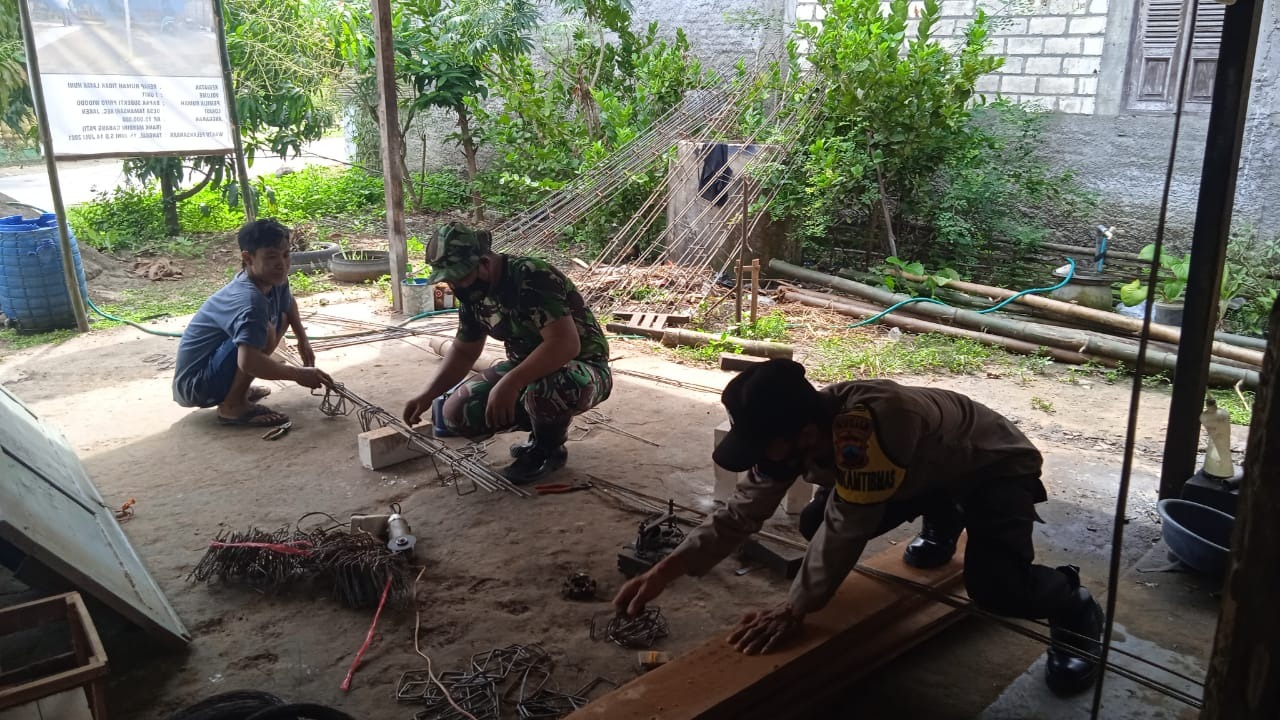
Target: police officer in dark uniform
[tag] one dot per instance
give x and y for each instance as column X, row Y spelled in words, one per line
column 885, row 454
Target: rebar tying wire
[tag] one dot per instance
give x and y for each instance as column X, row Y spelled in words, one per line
column 638, row 632
column 1135, row 393
column 647, row 503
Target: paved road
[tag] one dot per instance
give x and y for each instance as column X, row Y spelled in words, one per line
column 83, row 179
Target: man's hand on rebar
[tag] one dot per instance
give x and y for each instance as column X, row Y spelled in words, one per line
column 763, row 631
column 416, row 408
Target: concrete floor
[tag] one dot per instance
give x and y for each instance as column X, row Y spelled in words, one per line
column 495, row 562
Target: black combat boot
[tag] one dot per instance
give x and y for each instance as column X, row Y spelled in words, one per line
column 522, row 423
column 936, row 543
column 1075, row 629
column 546, row 455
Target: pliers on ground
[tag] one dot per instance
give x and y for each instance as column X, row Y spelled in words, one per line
column 278, row 431
column 558, row 488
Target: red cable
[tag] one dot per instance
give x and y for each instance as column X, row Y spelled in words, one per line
column 346, row 684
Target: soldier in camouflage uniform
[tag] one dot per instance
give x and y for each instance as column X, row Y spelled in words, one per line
column 557, row 362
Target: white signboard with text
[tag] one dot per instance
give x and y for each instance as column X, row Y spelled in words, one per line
column 131, row 77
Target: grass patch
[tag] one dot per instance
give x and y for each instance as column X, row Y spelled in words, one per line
column 771, row 327
column 1241, row 412
column 1043, row 405
column 301, row 283
column 852, row 358
column 12, row 339
column 155, row 303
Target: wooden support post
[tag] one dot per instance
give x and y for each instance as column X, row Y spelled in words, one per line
column 866, row 624
column 1243, row 682
column 755, row 288
column 389, row 122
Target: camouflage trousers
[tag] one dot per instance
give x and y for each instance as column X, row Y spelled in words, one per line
column 575, row 389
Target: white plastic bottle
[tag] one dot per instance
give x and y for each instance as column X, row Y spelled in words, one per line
column 1217, row 456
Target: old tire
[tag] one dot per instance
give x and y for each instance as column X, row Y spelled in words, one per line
column 311, row 260
column 365, row 266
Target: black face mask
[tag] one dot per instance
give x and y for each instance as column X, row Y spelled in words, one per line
column 474, row 293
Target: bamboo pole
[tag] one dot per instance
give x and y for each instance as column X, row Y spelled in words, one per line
column 674, row 337
column 1023, row 330
column 917, row 325
column 1166, row 333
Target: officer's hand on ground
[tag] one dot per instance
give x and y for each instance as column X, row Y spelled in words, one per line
column 761, row 632
column 416, row 408
column 500, row 411
column 313, row 378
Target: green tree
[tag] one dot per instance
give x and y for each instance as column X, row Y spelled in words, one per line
column 17, row 116
column 442, row 50
column 284, row 71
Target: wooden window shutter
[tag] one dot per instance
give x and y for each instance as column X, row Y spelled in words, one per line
column 1160, row 42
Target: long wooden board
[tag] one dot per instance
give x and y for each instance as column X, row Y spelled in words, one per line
column 866, row 624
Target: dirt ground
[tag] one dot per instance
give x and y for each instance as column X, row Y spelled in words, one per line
column 495, row 562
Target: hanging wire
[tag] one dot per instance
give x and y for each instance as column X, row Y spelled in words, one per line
column 1135, row 392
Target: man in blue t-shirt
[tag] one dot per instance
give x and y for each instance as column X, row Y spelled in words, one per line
column 230, row 340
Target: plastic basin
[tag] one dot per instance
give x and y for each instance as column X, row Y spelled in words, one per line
column 1198, row 535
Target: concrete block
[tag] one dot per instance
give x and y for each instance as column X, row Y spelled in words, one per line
column 1070, row 105
column 1066, row 7
column 1056, row 86
column 1044, row 65
column 1087, row 105
column 1092, row 25
column 959, row 8
column 1063, row 46
column 1047, row 26
column 1098, row 7
column 384, row 447
column 819, row 12
column 1026, row 46
column 1081, row 65
column 1010, row 84
column 804, row 11
column 988, row 84
column 1093, row 46
column 1012, row 66
column 1087, row 86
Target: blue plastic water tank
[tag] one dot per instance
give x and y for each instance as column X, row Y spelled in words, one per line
column 33, row 293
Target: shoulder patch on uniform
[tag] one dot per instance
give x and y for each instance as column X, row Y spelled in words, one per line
column 865, row 474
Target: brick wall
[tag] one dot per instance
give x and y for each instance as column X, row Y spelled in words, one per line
column 1052, row 49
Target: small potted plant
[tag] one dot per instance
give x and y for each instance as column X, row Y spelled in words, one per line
column 1168, row 306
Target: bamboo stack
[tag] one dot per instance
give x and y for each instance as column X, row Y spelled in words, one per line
column 1091, row 336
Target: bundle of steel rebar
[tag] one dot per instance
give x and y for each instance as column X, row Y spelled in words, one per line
column 354, row 567
column 358, row 332
column 464, row 462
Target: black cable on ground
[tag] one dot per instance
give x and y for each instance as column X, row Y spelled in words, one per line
column 234, row 705
column 301, row 711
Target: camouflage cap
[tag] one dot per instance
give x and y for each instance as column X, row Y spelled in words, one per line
column 455, row 251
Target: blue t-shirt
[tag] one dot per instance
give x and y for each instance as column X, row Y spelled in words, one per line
column 240, row 314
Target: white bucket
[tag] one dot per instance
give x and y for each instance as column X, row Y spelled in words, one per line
column 417, row 296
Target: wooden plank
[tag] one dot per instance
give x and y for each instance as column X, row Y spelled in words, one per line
column 865, row 624
column 739, row 361
column 91, row 659
column 51, row 512
column 389, row 126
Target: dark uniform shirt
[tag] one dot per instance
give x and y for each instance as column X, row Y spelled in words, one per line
column 530, row 295
column 888, row 442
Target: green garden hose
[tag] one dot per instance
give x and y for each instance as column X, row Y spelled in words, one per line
column 1071, row 271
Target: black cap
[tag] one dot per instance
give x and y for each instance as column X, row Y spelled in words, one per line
column 766, row 401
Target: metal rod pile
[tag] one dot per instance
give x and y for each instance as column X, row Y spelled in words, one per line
column 359, row 332
column 463, row 462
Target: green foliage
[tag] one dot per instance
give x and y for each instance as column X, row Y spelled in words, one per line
column 1169, row 289
column 128, row 219
column 894, row 268
column 17, row 114
column 859, row 356
column 11, row 339
column 157, row 301
column 1240, row 409
column 1043, row 405
column 1249, row 291
column 771, row 327
column 598, row 95
column 900, row 128
column 283, row 70
column 301, row 283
